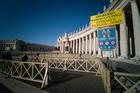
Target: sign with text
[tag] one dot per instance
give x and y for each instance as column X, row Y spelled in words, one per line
column 106, row 19
column 107, row 38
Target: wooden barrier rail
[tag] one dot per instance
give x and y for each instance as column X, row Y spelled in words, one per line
column 32, row 71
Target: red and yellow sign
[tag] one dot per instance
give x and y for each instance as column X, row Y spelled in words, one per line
column 106, row 19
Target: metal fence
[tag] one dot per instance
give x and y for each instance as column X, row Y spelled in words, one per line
column 32, row 71
column 38, row 68
column 81, row 65
column 129, row 82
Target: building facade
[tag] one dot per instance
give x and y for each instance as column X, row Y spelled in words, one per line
column 20, row 45
column 6, row 45
column 85, row 41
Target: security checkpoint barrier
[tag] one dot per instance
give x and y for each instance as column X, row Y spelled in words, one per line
column 129, row 82
column 80, row 65
column 37, row 71
column 31, row 71
column 105, row 75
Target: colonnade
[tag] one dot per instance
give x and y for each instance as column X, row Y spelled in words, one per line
column 83, row 45
column 87, row 42
column 124, row 39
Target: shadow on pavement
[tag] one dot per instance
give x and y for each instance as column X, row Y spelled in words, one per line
column 4, row 89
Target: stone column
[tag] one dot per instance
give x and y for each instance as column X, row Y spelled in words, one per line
column 69, row 46
column 136, row 26
column 76, row 45
column 117, row 44
column 86, row 45
column 94, row 43
column 64, row 47
column 60, row 46
column 97, row 46
column 123, row 38
column 90, row 43
column 79, row 45
column 83, row 42
column 73, row 46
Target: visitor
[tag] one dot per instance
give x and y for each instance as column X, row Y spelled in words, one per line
column 25, row 57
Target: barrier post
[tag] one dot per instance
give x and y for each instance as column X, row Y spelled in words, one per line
column 65, row 65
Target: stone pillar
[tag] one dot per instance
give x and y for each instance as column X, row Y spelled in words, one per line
column 60, row 46
column 94, row 43
column 83, row 42
column 123, row 38
column 117, row 44
column 76, row 45
column 97, row 46
column 79, row 45
column 64, row 47
column 90, row 43
column 136, row 26
column 73, row 46
column 86, row 45
column 70, row 46
column 67, row 46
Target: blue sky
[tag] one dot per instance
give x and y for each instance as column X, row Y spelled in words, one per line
column 42, row 21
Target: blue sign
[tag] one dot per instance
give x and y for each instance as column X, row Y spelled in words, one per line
column 107, row 38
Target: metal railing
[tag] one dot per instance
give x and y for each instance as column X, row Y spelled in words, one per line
column 129, row 82
column 105, row 75
column 32, row 71
column 81, row 65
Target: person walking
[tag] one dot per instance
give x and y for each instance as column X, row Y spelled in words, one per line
column 25, row 58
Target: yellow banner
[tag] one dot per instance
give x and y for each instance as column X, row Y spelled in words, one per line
column 106, row 19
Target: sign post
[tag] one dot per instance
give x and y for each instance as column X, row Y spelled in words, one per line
column 107, row 38
column 105, row 23
column 106, row 19
column 107, row 42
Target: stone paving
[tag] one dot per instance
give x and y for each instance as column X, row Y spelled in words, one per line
column 11, row 85
column 64, row 82
column 75, row 82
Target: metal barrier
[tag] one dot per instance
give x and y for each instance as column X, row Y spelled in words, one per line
column 80, row 65
column 34, row 58
column 37, row 72
column 32, row 71
column 105, row 75
column 129, row 82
